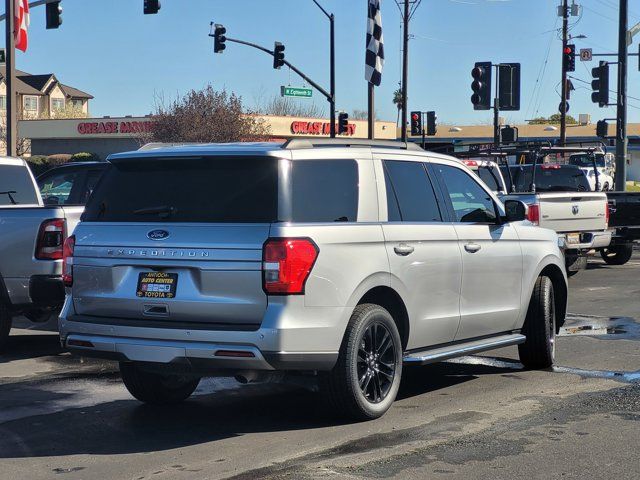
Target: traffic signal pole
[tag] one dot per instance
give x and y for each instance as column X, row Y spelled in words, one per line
column 563, row 100
column 405, row 66
column 621, row 117
column 332, row 68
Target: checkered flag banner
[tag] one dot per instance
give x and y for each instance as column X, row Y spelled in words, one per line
column 374, row 60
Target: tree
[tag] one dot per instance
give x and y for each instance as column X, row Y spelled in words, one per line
column 204, row 116
column 288, row 107
column 397, row 101
column 552, row 120
column 69, row 111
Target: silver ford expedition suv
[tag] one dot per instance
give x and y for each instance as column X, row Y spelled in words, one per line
column 340, row 260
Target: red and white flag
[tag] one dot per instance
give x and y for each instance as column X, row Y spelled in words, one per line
column 21, row 19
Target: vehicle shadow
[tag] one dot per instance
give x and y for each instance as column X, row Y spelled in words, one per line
column 126, row 426
column 20, row 347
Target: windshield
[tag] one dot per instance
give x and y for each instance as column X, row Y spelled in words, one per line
column 563, row 179
column 584, row 160
column 226, row 190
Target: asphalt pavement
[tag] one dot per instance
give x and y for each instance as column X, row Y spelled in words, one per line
column 471, row 418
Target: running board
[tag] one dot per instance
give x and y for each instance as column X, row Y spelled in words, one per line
column 451, row 351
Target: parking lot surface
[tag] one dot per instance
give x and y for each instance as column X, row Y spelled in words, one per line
column 474, row 417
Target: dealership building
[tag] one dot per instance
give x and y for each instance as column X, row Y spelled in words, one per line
column 106, row 135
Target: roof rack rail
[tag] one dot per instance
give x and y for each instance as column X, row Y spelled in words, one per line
column 300, row 143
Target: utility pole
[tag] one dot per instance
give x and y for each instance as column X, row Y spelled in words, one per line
column 11, row 126
column 405, row 64
column 563, row 100
column 332, row 70
column 621, row 117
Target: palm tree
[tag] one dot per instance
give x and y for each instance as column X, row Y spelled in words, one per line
column 397, row 101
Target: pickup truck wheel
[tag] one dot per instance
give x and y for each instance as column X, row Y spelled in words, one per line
column 365, row 380
column 155, row 388
column 617, row 254
column 538, row 351
column 5, row 325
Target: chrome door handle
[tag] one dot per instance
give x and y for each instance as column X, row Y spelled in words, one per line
column 403, row 249
column 472, row 247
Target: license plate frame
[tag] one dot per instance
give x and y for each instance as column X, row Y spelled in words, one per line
column 157, row 285
column 573, row 238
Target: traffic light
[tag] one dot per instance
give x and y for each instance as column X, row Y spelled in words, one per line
column 278, row 55
column 481, row 86
column 151, row 6
column 343, row 121
column 219, row 38
column 416, row 123
column 600, row 84
column 509, row 86
column 509, row 134
column 53, row 15
column 432, row 126
column 602, row 129
column 569, row 58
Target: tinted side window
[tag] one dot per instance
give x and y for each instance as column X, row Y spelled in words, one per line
column 491, row 177
column 413, row 190
column 90, row 184
column 471, row 203
column 59, row 188
column 16, row 186
column 324, row 191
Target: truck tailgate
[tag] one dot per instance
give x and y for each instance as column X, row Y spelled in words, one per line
column 573, row 211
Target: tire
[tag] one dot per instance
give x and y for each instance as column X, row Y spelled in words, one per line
column 156, row 388
column 617, row 254
column 538, row 351
column 365, row 380
column 5, row 326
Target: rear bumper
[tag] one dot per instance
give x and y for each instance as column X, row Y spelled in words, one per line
column 292, row 339
column 39, row 291
column 588, row 240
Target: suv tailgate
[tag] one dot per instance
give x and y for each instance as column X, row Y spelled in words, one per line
column 218, row 268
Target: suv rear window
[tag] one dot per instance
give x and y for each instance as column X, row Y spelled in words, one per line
column 202, row 190
column 16, row 186
column 324, row 191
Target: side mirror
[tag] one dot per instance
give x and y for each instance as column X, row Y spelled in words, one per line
column 515, row 211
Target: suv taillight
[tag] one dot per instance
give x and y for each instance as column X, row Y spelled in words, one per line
column 67, row 261
column 286, row 264
column 607, row 215
column 50, row 239
column 533, row 213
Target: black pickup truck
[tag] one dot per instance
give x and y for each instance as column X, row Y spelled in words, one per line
column 624, row 219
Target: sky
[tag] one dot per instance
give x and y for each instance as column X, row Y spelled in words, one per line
column 128, row 60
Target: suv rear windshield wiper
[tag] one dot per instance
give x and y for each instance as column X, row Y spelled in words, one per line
column 164, row 211
column 11, row 199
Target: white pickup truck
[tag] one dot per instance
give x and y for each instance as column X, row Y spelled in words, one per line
column 32, row 234
column 559, row 198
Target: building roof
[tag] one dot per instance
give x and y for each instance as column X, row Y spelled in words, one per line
column 74, row 92
column 28, row 84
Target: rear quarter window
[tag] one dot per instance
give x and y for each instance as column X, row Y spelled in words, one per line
column 324, row 191
column 16, row 186
column 200, row 190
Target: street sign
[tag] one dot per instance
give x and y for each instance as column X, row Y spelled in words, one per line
column 3, row 56
column 586, row 54
column 566, row 105
column 295, row 92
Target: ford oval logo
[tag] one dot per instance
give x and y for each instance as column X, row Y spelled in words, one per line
column 158, row 234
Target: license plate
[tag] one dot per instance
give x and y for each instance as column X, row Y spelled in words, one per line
column 157, row 285
column 573, row 238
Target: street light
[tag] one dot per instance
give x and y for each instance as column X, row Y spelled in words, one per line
column 332, row 74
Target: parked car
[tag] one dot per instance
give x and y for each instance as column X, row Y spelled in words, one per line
column 606, row 169
column 624, row 221
column 559, row 198
column 33, row 227
column 250, row 259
